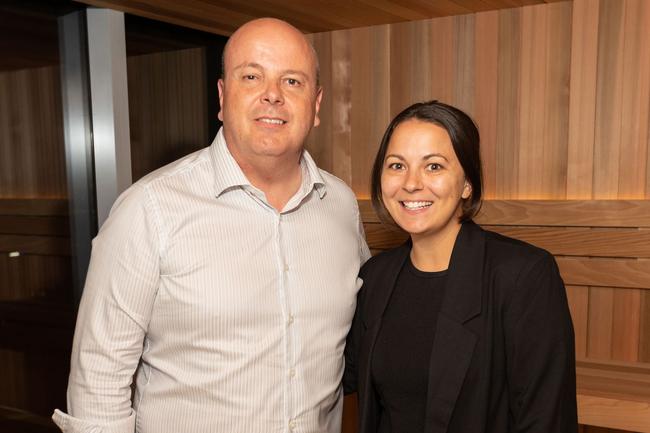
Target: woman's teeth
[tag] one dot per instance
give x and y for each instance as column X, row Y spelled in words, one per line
column 413, row 205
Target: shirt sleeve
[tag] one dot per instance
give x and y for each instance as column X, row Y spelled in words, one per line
column 364, row 251
column 540, row 352
column 113, row 317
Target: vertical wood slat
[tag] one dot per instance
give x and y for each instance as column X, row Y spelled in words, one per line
column 560, row 95
column 635, row 99
column 32, row 156
column 609, row 87
column 319, row 142
column 578, row 297
column 341, row 105
column 370, row 88
column 167, row 107
column 582, row 100
column 508, row 114
column 485, row 105
column 626, row 318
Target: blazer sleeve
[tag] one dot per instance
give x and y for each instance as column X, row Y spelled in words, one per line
column 351, row 373
column 540, row 352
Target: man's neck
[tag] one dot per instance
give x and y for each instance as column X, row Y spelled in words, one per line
column 277, row 177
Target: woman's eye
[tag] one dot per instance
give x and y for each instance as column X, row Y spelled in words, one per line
column 434, row 166
column 395, row 166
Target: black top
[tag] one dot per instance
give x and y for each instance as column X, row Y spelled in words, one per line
column 400, row 366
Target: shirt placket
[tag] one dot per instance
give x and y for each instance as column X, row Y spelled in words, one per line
column 288, row 328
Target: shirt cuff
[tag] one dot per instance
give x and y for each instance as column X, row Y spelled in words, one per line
column 70, row 424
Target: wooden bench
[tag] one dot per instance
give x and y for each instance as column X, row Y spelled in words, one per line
column 602, row 248
column 614, row 394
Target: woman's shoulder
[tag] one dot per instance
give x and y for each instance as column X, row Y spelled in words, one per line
column 513, row 255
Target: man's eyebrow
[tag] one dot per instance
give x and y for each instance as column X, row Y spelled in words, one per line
column 249, row 65
column 259, row 67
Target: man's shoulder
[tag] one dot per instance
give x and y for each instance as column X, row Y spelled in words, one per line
column 182, row 167
column 336, row 187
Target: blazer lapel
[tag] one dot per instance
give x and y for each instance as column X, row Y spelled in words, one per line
column 453, row 344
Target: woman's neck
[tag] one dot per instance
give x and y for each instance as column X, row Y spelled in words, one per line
column 432, row 252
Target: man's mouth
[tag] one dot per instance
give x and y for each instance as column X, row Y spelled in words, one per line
column 271, row 120
column 415, row 205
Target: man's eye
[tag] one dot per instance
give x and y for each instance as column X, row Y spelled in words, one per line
column 249, row 77
column 293, row 82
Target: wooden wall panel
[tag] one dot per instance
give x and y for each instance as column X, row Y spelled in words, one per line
column 561, row 95
column 368, row 86
column 508, row 91
column 578, row 297
column 32, row 155
column 485, row 104
column 167, row 107
column 635, row 97
column 582, row 99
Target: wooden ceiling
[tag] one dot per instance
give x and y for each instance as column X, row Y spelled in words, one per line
column 311, row 16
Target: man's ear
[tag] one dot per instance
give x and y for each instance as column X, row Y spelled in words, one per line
column 220, row 88
column 319, row 97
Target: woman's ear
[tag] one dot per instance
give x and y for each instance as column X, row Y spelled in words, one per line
column 467, row 190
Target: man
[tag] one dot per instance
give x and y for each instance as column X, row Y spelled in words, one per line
column 229, row 277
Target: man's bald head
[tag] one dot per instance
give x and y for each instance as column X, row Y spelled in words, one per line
column 271, row 26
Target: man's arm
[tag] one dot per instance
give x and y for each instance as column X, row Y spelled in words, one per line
column 113, row 317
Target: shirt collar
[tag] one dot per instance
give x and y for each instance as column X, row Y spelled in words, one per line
column 228, row 174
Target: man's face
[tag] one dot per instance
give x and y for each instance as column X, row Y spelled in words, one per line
column 269, row 96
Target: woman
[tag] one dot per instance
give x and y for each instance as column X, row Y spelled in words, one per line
column 459, row 330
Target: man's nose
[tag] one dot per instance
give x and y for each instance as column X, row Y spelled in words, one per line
column 272, row 93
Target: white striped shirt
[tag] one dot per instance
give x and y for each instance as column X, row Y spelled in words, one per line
column 235, row 313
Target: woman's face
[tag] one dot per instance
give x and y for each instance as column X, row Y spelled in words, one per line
column 422, row 181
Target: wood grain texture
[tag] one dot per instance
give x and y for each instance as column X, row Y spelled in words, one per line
column 34, row 225
column 635, row 99
column 626, row 324
column 578, row 297
column 33, row 207
column 630, row 273
column 599, row 337
column 370, row 89
column 582, row 99
column 508, row 110
column 644, row 338
column 571, row 213
column 32, row 155
column 224, row 16
column 557, row 213
column 37, row 245
column 583, row 241
column 612, row 412
column 609, row 88
column 167, row 107
column 485, row 104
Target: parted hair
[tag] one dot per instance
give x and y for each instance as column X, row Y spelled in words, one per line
column 465, row 140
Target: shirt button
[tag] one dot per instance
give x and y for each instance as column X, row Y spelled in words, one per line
column 292, row 372
column 286, row 268
column 292, row 425
column 290, row 320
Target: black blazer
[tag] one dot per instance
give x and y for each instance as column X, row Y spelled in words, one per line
column 503, row 356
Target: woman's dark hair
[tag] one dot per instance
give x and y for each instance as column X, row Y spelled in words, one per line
column 464, row 139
